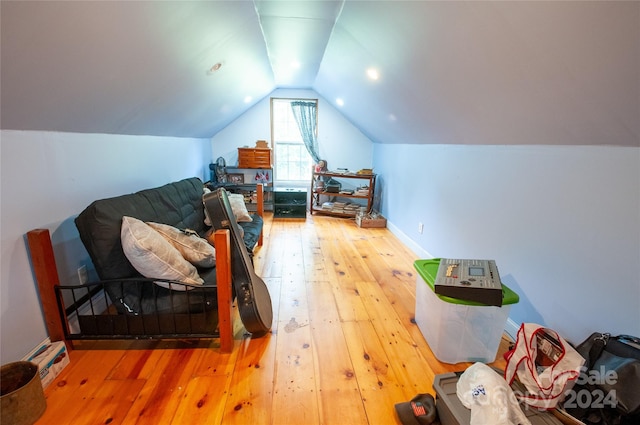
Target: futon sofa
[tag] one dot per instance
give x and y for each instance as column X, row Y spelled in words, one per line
column 155, row 305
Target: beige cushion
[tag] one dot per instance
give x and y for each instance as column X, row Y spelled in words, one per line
column 236, row 200
column 207, row 220
column 193, row 248
column 153, row 256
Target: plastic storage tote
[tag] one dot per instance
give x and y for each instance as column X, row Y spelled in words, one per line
column 451, row 411
column 458, row 330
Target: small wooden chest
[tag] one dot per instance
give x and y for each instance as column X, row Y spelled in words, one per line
column 254, row 158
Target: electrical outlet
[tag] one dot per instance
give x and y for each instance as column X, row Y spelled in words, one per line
column 83, row 276
column 420, row 227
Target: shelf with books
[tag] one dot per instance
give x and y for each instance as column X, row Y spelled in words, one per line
column 245, row 180
column 339, row 199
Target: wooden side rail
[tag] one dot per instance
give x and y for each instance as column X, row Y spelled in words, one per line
column 46, row 274
column 222, row 242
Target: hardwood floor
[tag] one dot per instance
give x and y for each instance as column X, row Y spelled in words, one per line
column 343, row 349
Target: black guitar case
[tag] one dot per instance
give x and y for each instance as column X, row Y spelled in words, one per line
column 254, row 301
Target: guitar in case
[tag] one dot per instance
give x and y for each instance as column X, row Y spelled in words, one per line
column 254, row 301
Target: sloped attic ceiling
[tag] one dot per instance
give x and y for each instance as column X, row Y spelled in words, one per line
column 449, row 71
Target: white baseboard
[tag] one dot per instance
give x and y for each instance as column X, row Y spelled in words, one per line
column 74, row 327
column 511, row 328
column 417, row 249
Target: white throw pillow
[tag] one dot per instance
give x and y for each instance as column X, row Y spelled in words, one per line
column 153, row 256
column 236, row 200
column 193, row 248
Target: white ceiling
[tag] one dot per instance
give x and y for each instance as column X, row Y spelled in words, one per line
column 450, row 71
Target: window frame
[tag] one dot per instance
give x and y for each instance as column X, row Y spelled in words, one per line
column 277, row 180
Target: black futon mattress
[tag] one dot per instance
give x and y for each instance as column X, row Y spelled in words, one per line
column 178, row 204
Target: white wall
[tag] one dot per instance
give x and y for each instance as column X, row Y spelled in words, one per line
column 340, row 143
column 47, row 179
column 562, row 223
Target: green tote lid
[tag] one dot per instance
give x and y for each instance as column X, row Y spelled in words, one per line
column 428, row 269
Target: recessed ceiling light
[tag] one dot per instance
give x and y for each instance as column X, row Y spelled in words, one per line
column 248, row 99
column 373, row 73
column 295, row 64
column 339, row 102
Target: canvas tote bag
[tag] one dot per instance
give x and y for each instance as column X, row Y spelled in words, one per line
column 544, row 363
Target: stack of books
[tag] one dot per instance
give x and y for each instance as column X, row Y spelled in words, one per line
column 351, row 209
column 341, row 207
column 362, row 191
column 338, row 207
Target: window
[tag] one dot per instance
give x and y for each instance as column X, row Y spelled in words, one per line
column 292, row 160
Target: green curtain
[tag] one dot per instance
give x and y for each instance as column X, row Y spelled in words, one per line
column 305, row 115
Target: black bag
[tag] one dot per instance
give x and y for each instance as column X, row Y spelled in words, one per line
column 608, row 392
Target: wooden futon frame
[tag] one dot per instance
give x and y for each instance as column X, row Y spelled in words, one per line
column 172, row 310
column 89, row 315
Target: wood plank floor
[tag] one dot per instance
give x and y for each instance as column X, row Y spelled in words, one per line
column 344, row 347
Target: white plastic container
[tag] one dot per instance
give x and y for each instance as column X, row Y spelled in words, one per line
column 458, row 330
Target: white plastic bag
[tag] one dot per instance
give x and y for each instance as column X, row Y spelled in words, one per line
column 544, row 363
column 490, row 399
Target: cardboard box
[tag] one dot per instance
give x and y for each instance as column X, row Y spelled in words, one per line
column 50, row 358
column 368, row 222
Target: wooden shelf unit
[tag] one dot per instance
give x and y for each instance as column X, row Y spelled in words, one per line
column 249, row 186
column 317, row 193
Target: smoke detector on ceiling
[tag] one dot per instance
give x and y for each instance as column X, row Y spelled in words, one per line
column 215, row 68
